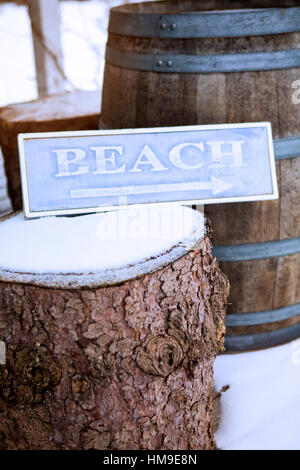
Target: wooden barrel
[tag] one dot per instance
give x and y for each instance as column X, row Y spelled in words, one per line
column 188, row 62
column 108, row 343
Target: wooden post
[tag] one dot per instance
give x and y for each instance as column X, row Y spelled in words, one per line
column 45, row 24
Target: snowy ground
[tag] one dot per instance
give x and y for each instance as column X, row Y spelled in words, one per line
column 261, row 408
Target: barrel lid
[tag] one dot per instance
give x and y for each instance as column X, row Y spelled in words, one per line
column 171, row 20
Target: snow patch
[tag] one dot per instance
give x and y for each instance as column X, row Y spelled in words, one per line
column 98, row 243
column 260, row 411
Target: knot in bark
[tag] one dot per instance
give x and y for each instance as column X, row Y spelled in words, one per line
column 159, row 355
column 28, row 374
column 38, row 368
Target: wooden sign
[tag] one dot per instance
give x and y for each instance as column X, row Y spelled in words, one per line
column 92, row 171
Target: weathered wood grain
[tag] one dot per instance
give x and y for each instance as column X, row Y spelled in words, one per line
column 170, row 99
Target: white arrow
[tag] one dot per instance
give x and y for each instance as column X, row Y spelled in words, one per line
column 215, row 185
column 219, row 186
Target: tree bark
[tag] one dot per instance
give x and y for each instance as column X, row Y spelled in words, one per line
column 128, row 366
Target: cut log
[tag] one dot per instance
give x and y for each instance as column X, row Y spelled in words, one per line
column 74, row 111
column 114, row 364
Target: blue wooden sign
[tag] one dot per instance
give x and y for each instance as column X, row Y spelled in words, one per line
column 92, row 171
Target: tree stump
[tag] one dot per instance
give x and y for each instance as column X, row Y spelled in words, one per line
column 107, row 360
column 70, row 111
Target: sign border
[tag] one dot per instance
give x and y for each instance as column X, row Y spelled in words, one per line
column 88, row 210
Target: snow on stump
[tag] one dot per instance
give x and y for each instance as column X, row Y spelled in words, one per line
column 70, row 111
column 111, row 325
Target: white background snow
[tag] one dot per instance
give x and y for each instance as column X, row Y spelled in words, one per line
column 261, row 408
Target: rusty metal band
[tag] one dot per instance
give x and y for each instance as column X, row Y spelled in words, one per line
column 212, row 63
column 210, row 24
column 262, row 340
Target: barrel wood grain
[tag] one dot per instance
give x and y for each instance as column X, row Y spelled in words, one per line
column 134, row 98
column 271, row 283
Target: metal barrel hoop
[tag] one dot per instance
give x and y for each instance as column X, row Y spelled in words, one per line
column 210, row 63
column 262, row 340
column 234, row 23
